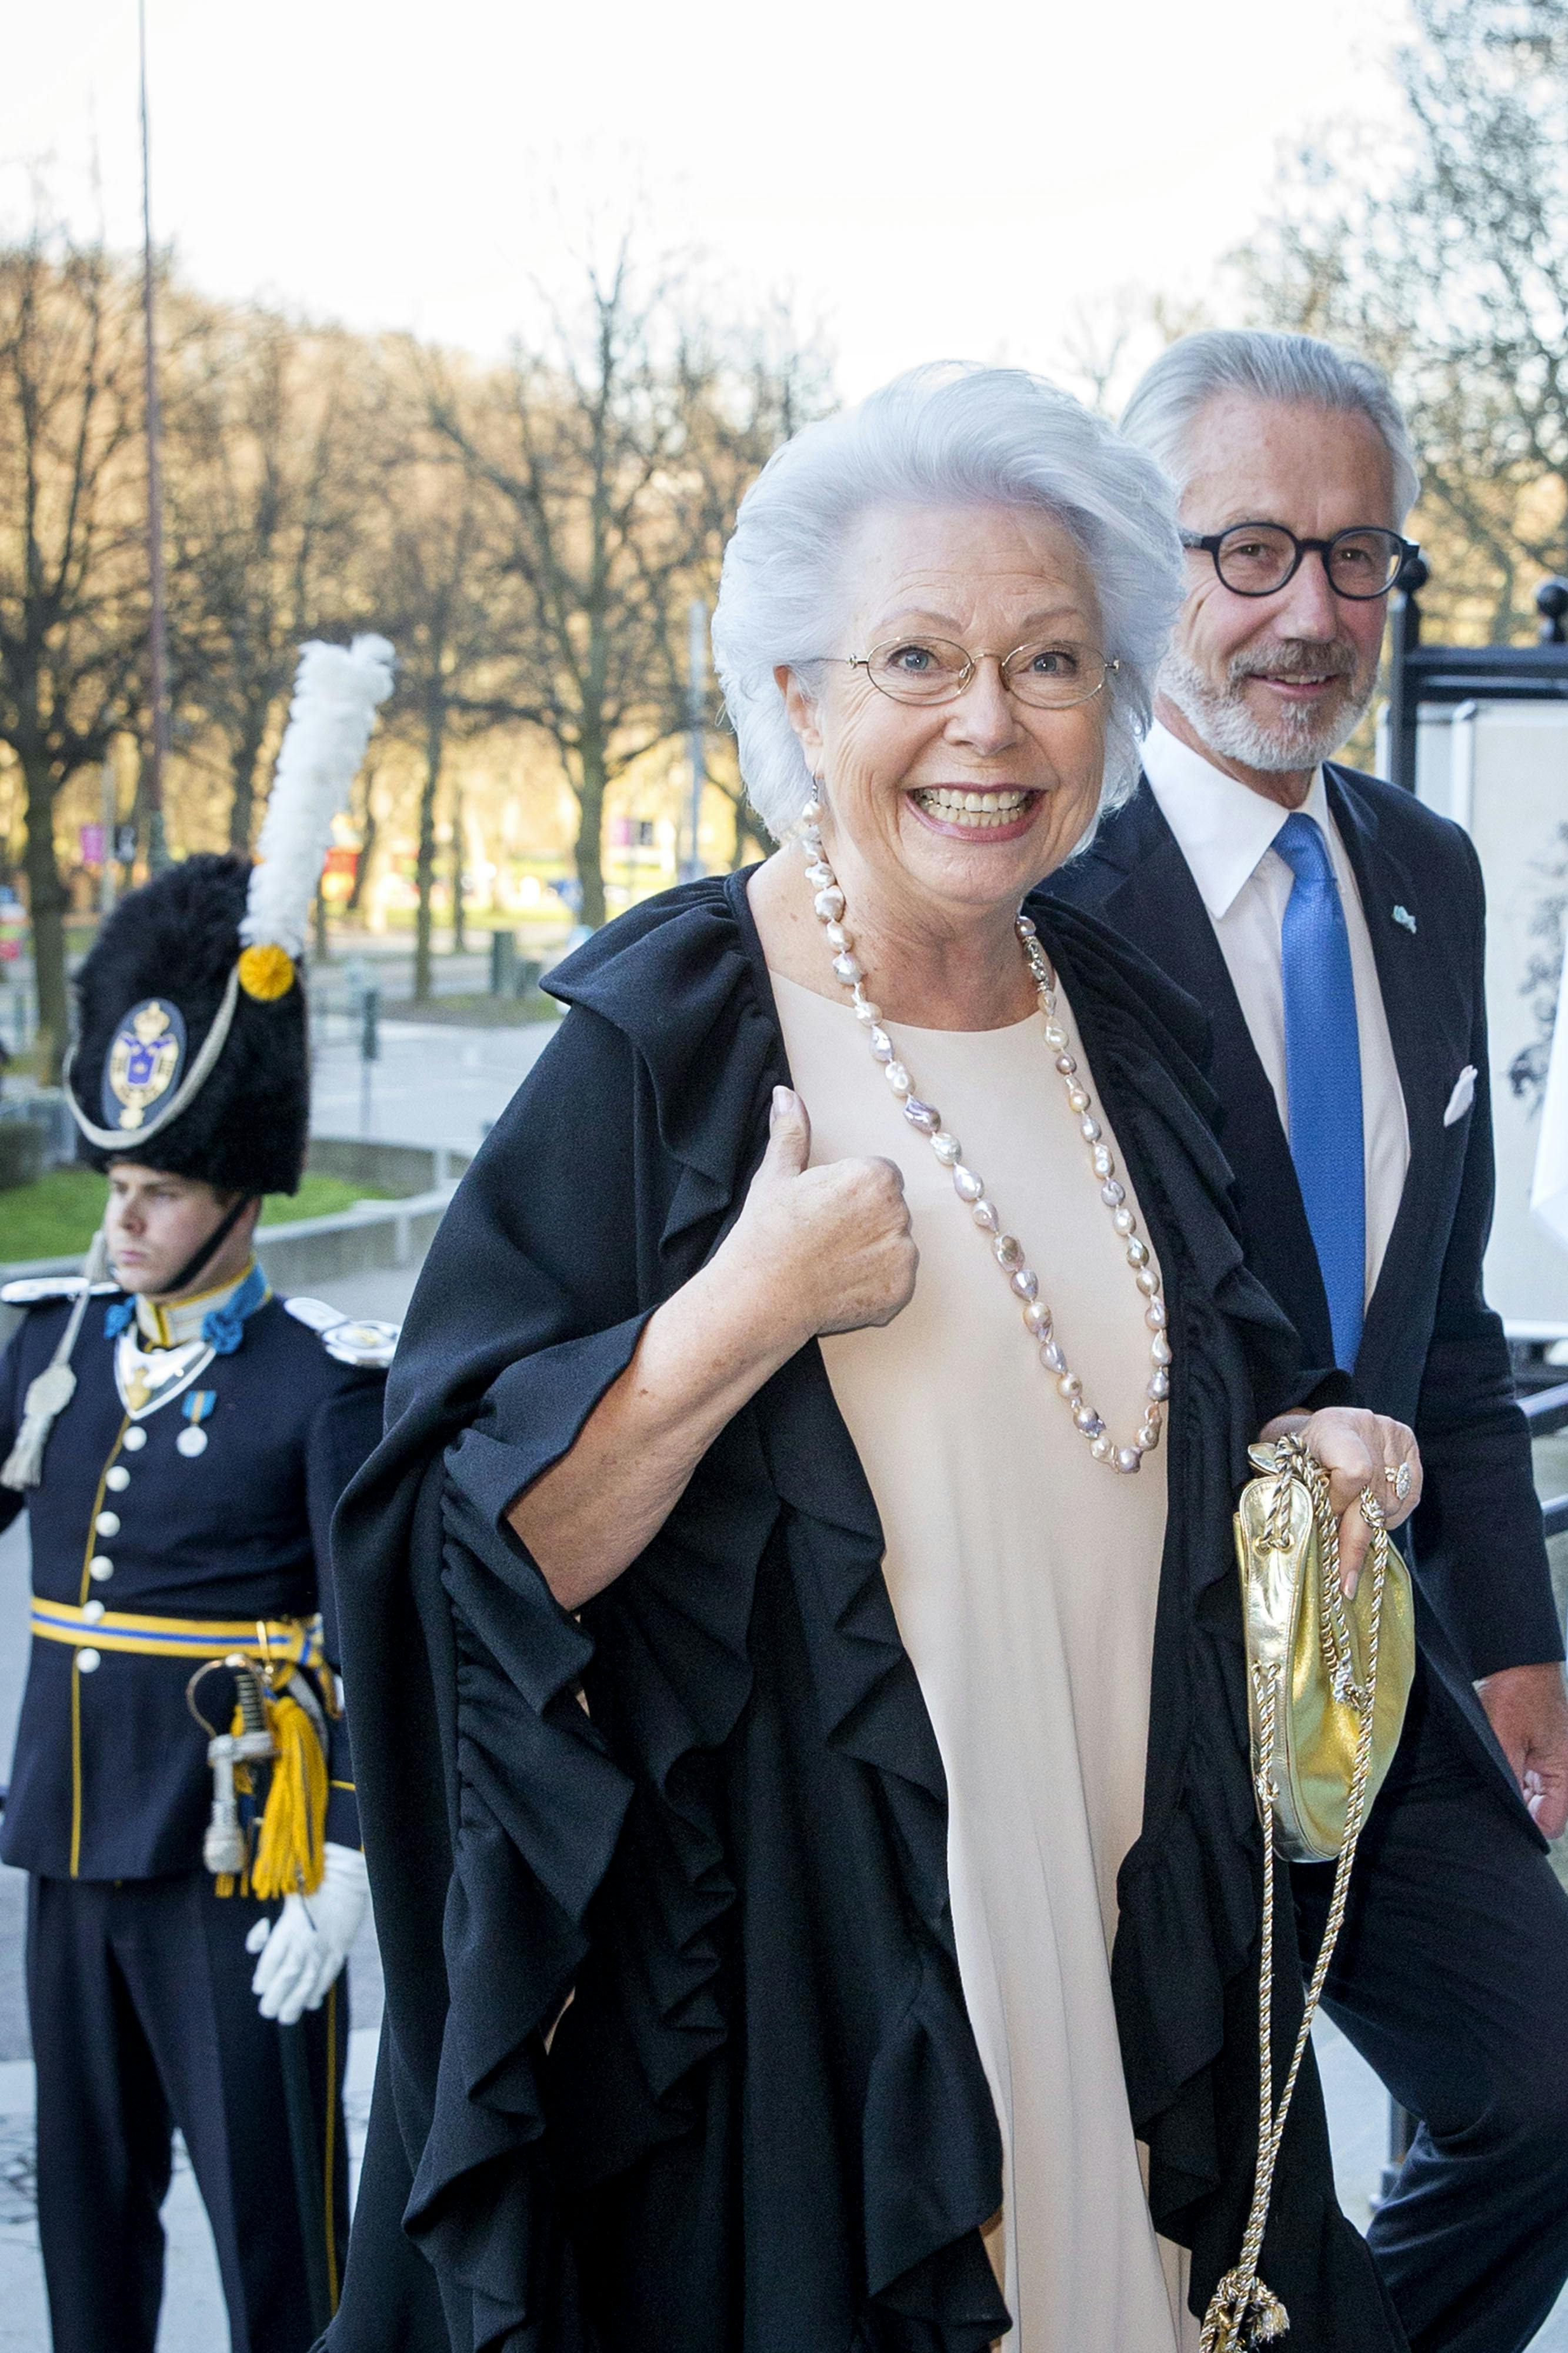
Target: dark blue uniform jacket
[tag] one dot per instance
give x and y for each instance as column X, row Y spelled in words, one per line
column 111, row 1778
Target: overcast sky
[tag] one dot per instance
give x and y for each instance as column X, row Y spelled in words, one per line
column 922, row 180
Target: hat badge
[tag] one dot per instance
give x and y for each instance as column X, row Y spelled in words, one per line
column 144, row 1062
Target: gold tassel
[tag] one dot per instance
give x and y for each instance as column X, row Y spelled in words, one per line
column 290, row 1855
column 1242, row 2313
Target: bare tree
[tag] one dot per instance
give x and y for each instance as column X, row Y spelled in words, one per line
column 435, row 566
column 618, row 450
column 270, row 447
column 73, row 607
column 1447, row 258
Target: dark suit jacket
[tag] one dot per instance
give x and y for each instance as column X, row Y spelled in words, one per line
column 1432, row 1352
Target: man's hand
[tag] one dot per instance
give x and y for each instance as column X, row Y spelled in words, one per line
column 1527, row 1707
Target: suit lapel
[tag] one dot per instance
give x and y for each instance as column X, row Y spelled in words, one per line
column 1157, row 905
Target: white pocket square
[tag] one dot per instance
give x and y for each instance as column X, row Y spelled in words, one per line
column 1463, row 1096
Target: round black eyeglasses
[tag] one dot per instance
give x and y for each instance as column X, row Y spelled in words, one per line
column 1257, row 559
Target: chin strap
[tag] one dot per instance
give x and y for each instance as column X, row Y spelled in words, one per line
column 202, row 1256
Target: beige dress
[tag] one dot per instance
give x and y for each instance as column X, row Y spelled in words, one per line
column 1023, row 1575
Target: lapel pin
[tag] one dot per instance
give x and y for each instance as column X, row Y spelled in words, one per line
column 1403, row 915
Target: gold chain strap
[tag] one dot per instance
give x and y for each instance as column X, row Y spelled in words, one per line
column 1243, row 2312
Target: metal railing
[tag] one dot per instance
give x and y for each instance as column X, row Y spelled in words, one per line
column 1547, row 1412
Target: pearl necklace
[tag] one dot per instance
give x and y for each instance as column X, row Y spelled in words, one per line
column 969, row 1187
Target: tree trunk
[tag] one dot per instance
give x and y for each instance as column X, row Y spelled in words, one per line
column 424, row 868
column 46, row 901
column 366, row 851
column 590, row 845
column 750, row 833
column 246, row 759
column 460, row 940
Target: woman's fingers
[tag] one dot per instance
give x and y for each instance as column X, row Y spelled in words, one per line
column 1355, row 1537
column 1400, row 1486
column 1363, row 1453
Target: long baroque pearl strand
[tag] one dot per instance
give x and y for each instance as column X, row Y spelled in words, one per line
column 969, row 1187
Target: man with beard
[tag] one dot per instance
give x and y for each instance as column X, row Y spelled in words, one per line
column 1333, row 929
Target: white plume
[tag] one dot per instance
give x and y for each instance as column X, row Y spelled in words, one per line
column 336, row 690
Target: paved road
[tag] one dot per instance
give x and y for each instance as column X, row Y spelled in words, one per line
column 433, row 1085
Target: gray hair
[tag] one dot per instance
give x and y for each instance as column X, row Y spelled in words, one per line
column 939, row 436
column 1299, row 371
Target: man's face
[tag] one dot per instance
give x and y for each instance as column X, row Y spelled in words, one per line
column 156, row 1223
column 1276, row 683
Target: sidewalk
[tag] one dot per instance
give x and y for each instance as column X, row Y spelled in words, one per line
column 432, row 1084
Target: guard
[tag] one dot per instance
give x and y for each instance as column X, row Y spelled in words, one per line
column 182, row 1793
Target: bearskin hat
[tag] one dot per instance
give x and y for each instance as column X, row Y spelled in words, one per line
column 147, row 995
column 190, row 1051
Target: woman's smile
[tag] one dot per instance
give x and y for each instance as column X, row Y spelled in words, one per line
column 994, row 812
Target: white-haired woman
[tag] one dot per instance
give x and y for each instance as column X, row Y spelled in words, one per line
column 794, row 1645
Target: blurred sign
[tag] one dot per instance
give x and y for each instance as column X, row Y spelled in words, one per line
column 92, row 845
column 338, row 874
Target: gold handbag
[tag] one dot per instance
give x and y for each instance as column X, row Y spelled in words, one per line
column 1326, row 1686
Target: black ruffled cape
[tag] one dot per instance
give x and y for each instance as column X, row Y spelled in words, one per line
column 710, row 1808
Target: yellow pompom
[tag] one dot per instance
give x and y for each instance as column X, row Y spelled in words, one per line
column 265, row 973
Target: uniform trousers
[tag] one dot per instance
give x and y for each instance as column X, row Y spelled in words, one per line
column 142, row 2019
column 1451, row 1979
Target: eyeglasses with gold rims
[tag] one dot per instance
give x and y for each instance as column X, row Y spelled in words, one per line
column 1051, row 675
column 1257, row 559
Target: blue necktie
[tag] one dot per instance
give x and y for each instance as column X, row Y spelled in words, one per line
column 1323, row 1075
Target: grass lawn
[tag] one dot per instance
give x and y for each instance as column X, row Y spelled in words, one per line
column 62, row 1212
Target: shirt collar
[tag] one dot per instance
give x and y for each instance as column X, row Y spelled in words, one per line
column 1223, row 827
column 171, row 1327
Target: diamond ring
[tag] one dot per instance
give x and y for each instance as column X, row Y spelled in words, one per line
column 1399, row 1480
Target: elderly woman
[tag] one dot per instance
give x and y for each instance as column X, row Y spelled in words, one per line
column 792, row 1618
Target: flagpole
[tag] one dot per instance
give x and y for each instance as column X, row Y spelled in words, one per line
column 158, row 637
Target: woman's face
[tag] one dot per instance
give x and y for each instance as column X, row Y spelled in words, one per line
column 971, row 802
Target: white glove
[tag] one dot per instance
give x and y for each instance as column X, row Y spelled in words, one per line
column 304, row 1949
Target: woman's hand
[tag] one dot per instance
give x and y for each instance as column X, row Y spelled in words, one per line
column 814, row 1249
column 1357, row 1450
column 825, row 1250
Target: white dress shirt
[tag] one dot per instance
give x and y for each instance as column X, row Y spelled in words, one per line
column 1226, row 832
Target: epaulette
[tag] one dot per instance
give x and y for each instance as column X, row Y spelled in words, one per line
column 37, row 1289
column 370, row 1345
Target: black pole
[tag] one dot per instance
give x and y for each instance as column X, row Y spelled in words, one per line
column 1401, row 2133
column 157, row 630
column 1404, row 637
column 310, row 2192
column 1552, row 604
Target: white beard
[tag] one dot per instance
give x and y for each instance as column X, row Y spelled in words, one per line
column 1296, row 740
